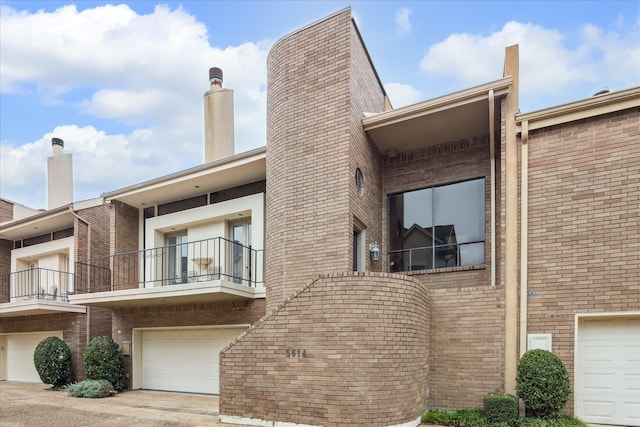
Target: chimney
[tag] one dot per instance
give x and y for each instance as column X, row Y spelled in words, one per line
column 59, row 176
column 218, row 119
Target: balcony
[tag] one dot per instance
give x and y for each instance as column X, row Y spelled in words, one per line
column 199, row 271
column 37, row 291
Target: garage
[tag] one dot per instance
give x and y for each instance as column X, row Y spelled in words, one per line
column 184, row 360
column 607, row 379
column 19, row 355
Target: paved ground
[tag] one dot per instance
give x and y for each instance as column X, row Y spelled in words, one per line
column 34, row 405
column 27, row 405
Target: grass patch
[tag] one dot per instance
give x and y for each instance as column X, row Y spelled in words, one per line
column 477, row 418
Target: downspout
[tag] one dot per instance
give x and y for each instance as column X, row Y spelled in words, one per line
column 492, row 154
column 524, row 235
column 88, row 315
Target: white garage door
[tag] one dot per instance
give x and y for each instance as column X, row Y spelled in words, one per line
column 19, row 355
column 184, row 360
column 608, row 371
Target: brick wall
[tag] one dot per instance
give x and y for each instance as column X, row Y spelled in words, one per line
column 584, row 224
column 365, row 362
column 6, row 211
column 319, row 82
column 5, row 268
column 366, row 96
column 467, row 340
column 124, row 237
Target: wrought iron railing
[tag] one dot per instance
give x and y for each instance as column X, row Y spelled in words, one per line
column 38, row 283
column 182, row 263
column 438, row 256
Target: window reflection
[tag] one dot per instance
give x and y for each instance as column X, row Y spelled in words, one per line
column 437, row 227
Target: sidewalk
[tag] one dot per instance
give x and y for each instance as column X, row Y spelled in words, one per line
column 26, row 405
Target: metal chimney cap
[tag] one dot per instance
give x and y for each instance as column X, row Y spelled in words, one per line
column 57, row 141
column 215, row 76
column 602, row 91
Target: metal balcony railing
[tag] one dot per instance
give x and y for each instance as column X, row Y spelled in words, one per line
column 38, row 283
column 431, row 257
column 182, row 263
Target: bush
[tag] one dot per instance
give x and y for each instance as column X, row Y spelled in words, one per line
column 501, row 408
column 52, row 358
column 103, row 361
column 459, row 418
column 543, row 383
column 478, row 418
column 92, row 389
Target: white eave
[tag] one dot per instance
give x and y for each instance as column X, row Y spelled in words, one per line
column 45, row 221
column 447, row 118
column 209, row 291
column 590, row 107
column 31, row 307
column 36, row 225
column 240, row 169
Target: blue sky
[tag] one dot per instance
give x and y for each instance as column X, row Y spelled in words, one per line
column 122, row 83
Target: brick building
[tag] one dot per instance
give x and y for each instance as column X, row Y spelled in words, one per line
column 372, row 262
column 37, row 254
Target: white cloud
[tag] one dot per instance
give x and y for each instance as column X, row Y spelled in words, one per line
column 549, row 65
column 100, row 161
column 402, row 94
column 403, row 25
column 146, row 71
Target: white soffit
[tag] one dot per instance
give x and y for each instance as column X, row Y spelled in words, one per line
column 448, row 118
column 237, row 170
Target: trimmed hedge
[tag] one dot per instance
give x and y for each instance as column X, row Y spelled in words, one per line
column 103, row 360
column 91, row 389
column 543, row 383
column 501, row 408
column 52, row 359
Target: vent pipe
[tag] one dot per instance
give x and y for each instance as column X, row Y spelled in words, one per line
column 59, row 176
column 218, row 119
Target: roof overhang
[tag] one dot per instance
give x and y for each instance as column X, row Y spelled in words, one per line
column 590, row 107
column 448, row 118
column 32, row 307
column 230, row 172
column 36, row 225
column 208, row 291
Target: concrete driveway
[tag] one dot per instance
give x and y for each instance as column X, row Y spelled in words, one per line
column 25, row 404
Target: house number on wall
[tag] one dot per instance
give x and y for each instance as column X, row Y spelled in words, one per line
column 298, row 352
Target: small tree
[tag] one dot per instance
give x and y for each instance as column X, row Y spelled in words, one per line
column 543, row 383
column 103, row 361
column 52, row 359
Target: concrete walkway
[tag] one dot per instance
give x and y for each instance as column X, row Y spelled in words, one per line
column 27, row 405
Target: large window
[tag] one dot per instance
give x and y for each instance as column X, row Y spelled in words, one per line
column 437, row 227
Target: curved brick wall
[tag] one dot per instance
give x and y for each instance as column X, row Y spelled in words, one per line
column 320, row 81
column 349, row 349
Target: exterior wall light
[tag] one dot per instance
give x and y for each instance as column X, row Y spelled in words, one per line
column 374, row 251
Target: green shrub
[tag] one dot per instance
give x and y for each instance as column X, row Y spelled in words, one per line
column 543, row 383
column 478, row 418
column 52, row 359
column 560, row 421
column 459, row 418
column 501, row 407
column 92, row 389
column 103, row 361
